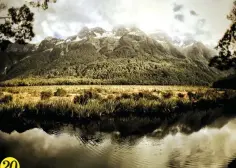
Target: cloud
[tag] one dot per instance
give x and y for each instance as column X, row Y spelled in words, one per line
column 177, row 7
column 192, row 12
column 67, row 17
column 2, row 6
column 57, row 35
column 201, row 23
column 179, row 17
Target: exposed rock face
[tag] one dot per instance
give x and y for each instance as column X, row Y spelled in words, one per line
column 48, row 43
column 120, row 31
column 122, row 54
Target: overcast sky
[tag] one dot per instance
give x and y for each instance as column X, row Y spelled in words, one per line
column 205, row 20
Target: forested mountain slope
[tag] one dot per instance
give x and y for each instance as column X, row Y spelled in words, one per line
column 124, row 56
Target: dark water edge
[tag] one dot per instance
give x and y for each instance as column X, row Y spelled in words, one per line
column 125, row 128
column 124, row 132
column 186, row 118
column 67, row 146
column 186, row 123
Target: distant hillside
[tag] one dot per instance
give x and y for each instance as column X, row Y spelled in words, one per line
column 123, row 56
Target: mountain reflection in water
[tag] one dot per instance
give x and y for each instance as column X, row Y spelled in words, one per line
column 207, row 148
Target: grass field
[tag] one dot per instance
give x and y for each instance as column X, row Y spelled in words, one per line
column 127, row 109
column 101, row 98
column 28, row 94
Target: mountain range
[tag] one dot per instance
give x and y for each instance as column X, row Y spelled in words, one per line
column 123, row 56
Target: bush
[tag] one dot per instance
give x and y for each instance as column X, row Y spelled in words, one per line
column 6, row 99
column 195, row 96
column 228, row 94
column 125, row 96
column 1, row 94
column 137, row 96
column 146, row 95
column 99, row 90
column 181, row 95
column 45, row 95
column 84, row 98
column 111, row 97
column 92, row 94
column 168, row 95
column 191, row 95
column 212, row 94
column 60, row 92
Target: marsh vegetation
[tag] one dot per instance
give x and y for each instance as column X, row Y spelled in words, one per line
column 127, row 109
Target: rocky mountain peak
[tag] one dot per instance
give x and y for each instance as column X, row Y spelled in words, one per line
column 120, row 31
column 98, row 30
column 48, row 43
column 122, row 54
column 86, row 32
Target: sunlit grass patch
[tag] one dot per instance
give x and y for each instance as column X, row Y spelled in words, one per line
column 106, row 100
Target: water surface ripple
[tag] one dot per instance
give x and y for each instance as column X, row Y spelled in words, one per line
column 207, row 148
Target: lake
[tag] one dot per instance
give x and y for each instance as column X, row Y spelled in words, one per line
column 210, row 147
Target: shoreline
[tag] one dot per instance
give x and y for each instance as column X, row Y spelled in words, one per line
column 130, row 110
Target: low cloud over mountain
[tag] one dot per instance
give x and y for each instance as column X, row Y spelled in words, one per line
column 123, row 55
column 66, row 18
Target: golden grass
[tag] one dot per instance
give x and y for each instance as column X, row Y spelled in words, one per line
column 100, row 88
column 31, row 94
column 99, row 101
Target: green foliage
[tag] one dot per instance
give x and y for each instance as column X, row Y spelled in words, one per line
column 45, row 95
column 60, row 92
column 41, row 3
column 18, row 27
column 6, row 99
column 99, row 72
column 226, row 59
column 4, row 44
column 82, row 60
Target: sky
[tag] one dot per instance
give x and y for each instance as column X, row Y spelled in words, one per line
column 204, row 20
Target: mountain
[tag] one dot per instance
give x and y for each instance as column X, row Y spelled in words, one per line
column 123, row 56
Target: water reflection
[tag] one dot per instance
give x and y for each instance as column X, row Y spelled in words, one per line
column 207, row 148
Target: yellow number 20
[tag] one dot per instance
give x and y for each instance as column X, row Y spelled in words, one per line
column 10, row 162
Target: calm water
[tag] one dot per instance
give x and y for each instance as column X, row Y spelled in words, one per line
column 207, row 148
